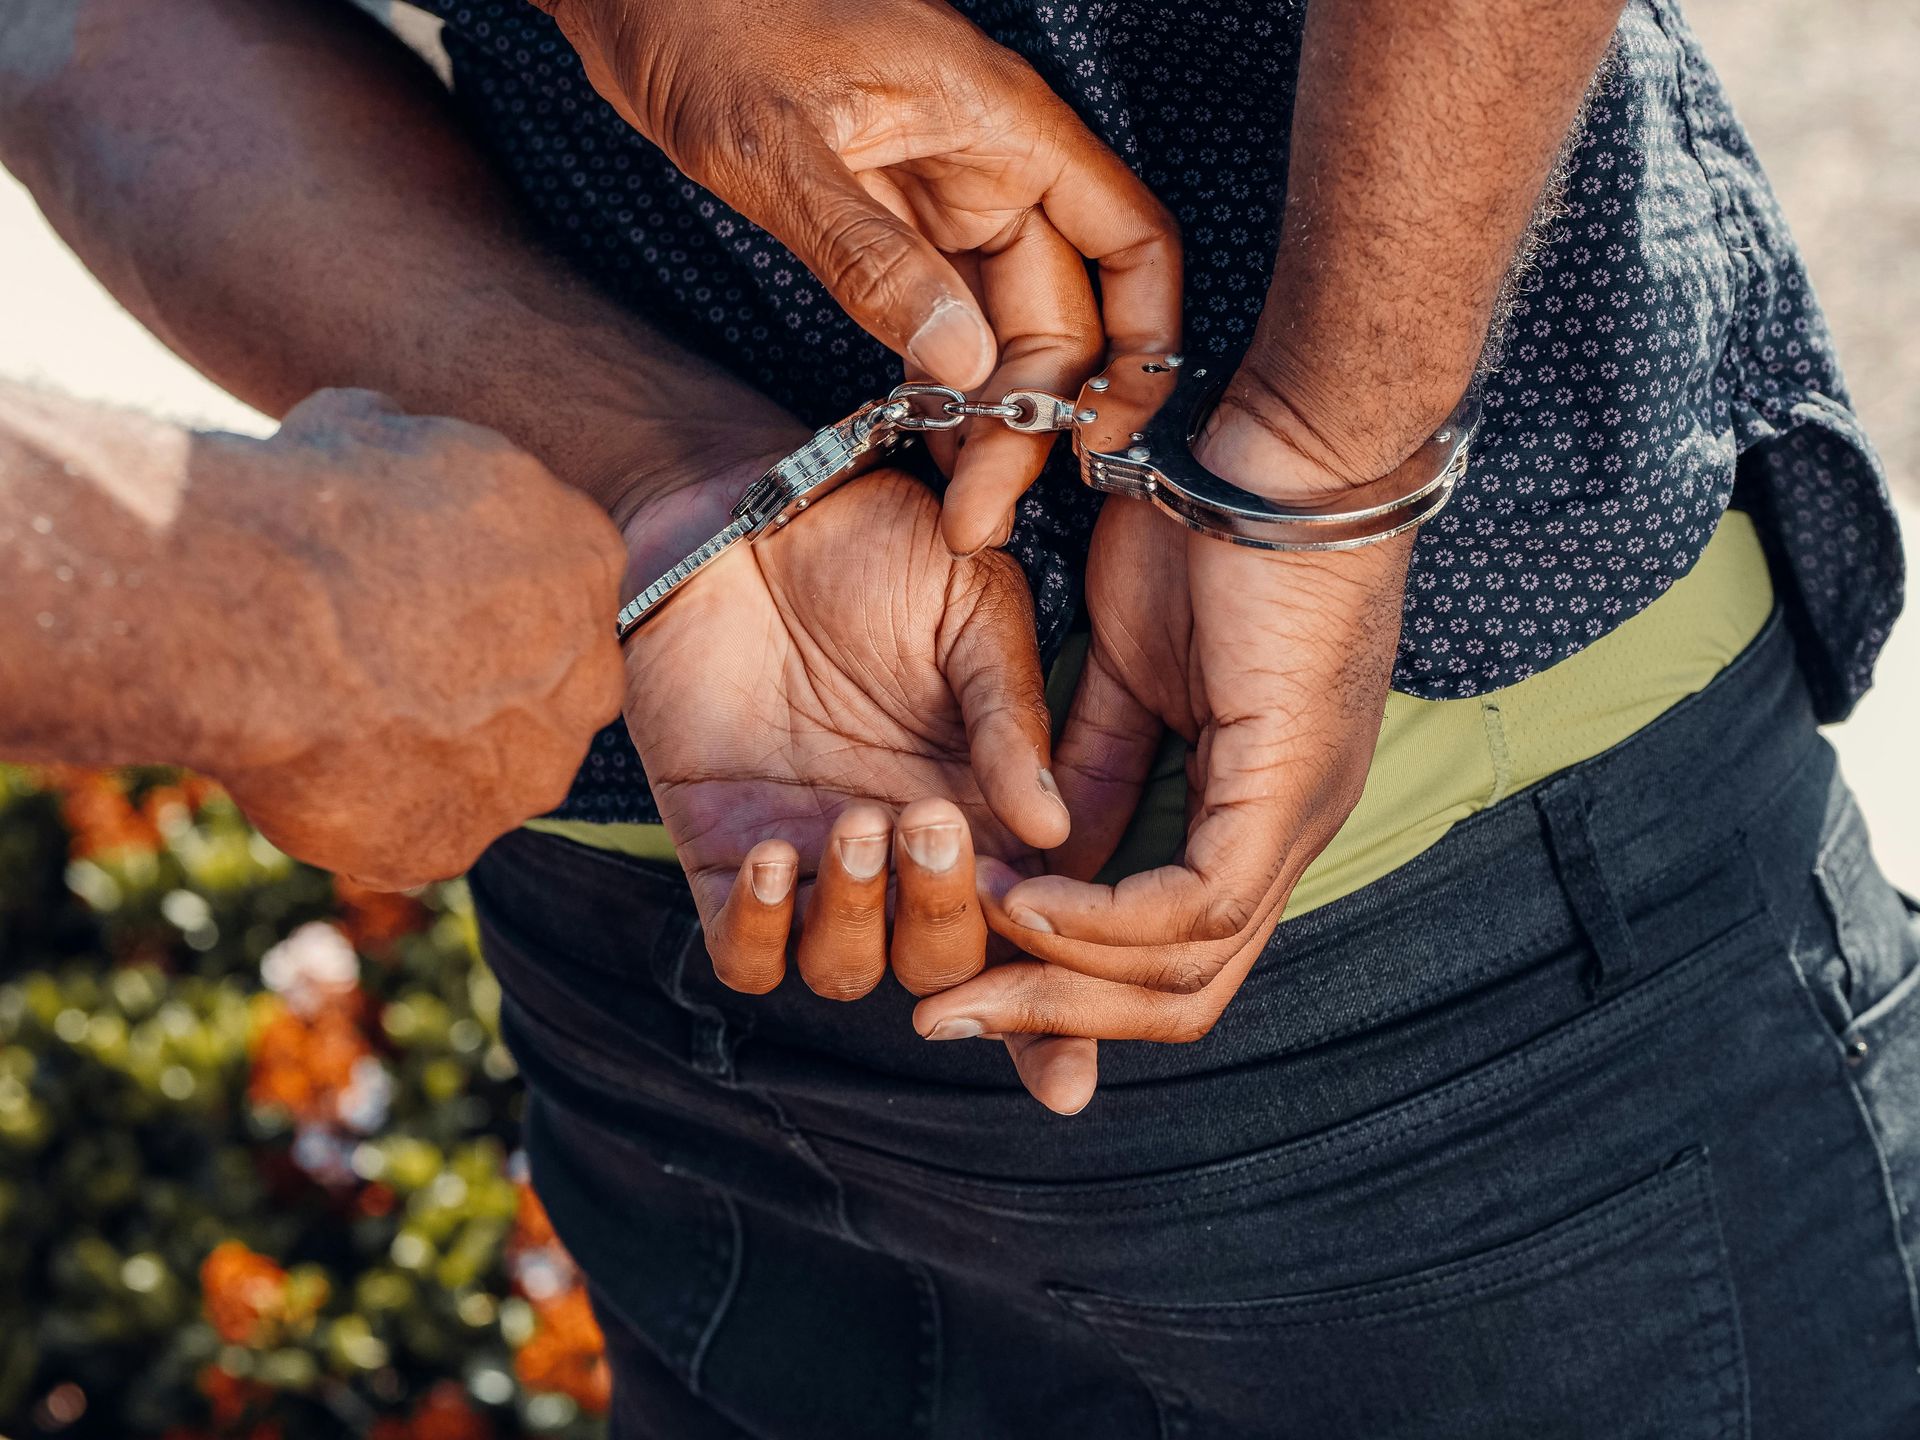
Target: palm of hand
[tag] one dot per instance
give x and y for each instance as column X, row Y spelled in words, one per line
column 826, row 664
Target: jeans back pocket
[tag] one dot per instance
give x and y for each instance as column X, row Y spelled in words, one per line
column 1618, row 1322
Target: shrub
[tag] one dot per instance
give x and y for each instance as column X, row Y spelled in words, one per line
column 257, row 1166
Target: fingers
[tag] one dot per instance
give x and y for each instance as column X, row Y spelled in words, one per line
column 939, row 934
column 1030, row 998
column 888, row 278
column 993, row 668
column 748, row 938
column 843, row 942
column 1108, row 215
column 1179, row 967
column 1060, row 1071
column 1106, row 752
column 1038, row 297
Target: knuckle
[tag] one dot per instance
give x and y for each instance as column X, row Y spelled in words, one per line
column 864, row 259
column 922, row 979
column 854, row 917
column 842, row 985
column 1187, row 1025
column 944, row 915
column 1186, row 974
column 1225, row 916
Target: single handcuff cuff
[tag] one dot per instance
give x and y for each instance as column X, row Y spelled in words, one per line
column 1133, row 427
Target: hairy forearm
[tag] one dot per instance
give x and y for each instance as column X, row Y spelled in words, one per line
column 275, row 187
column 137, row 615
column 1423, row 138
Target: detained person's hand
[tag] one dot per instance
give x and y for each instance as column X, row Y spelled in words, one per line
column 437, row 648
column 945, row 196
column 842, row 704
column 1274, row 668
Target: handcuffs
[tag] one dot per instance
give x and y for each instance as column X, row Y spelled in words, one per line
column 1133, row 427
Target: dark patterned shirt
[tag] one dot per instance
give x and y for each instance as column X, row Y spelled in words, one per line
column 1665, row 343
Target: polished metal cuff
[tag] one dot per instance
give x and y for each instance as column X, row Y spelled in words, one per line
column 1134, row 428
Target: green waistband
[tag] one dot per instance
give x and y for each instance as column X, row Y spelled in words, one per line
column 1440, row 761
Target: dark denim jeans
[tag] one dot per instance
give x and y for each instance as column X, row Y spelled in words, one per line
column 1601, row 1118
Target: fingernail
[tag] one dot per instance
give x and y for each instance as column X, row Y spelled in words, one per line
column 1000, row 541
column 1029, row 920
column 952, row 345
column 772, row 879
column 933, row 847
column 1052, row 787
column 863, row 856
column 956, row 1030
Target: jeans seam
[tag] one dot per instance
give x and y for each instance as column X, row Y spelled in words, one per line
column 926, row 1410
column 730, row 1288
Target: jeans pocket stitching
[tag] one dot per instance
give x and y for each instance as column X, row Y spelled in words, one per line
column 1681, row 1190
column 1605, row 1225
column 1617, row 1020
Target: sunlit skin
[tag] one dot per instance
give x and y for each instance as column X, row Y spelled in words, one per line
column 946, row 197
column 843, row 705
column 298, row 583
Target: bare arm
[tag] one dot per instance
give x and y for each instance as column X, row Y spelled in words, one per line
column 1423, row 139
column 104, row 604
column 292, row 616
column 276, row 188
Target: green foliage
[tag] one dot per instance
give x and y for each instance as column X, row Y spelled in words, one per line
column 343, row 1147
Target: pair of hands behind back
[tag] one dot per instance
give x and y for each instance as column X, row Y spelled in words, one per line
column 798, row 707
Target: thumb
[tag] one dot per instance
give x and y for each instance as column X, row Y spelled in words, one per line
column 881, row 270
column 1105, row 755
column 993, row 669
column 1060, row 1071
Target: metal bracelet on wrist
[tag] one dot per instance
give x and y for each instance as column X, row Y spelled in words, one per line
column 1133, row 427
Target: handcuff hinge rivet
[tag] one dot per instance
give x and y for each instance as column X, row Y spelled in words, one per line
column 1085, row 417
column 1099, row 382
column 1139, row 452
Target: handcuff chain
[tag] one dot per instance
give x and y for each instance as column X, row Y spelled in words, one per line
column 1122, row 462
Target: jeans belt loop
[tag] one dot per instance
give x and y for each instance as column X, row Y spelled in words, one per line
column 1565, row 807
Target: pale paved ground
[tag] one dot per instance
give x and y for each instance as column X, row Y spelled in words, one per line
column 1829, row 91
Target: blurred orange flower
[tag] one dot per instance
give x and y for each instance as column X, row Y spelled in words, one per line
column 567, row 1352
column 531, row 1227
column 250, row 1300
column 243, row 1292
column 100, row 817
column 374, row 919
column 234, row 1402
column 303, row 1065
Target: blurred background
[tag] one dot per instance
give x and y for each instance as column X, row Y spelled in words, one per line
column 257, row 1166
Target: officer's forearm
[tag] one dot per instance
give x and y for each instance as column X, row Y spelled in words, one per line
column 278, row 190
